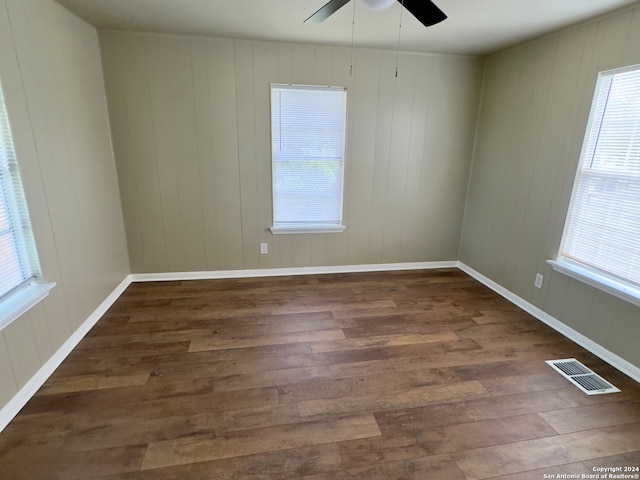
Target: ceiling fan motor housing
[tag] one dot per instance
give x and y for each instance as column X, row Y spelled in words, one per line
column 378, row 4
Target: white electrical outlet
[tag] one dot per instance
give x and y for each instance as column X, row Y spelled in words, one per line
column 538, row 282
column 264, row 248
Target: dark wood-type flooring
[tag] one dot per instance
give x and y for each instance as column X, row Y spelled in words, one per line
column 380, row 376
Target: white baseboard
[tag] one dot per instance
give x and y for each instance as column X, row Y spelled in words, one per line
column 279, row 272
column 611, row 358
column 20, row 399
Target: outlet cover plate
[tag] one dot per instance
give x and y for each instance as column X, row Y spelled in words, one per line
column 538, row 282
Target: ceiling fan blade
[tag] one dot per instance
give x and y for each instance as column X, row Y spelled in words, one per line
column 325, row 12
column 425, row 11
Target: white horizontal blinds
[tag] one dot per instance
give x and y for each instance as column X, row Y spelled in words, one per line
column 308, row 137
column 603, row 227
column 18, row 257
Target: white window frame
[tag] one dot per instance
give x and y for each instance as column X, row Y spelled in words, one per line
column 619, row 286
column 312, row 225
column 24, row 293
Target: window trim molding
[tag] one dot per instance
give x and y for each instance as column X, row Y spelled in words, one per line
column 22, row 301
column 600, row 279
column 316, row 228
column 283, row 228
column 18, row 297
column 605, row 283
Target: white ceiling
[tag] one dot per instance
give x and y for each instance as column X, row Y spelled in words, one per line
column 473, row 26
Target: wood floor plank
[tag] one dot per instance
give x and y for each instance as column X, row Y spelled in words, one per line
column 412, row 353
column 473, row 410
column 305, row 305
column 467, row 436
column 232, row 420
column 296, row 376
column 629, row 459
column 75, row 465
column 447, row 359
column 250, row 442
column 194, row 404
column 593, row 416
column 390, row 400
column 291, row 463
column 95, row 382
column 358, row 343
column 433, row 468
column 359, row 385
column 222, row 363
column 505, row 385
column 125, row 405
column 402, row 323
column 555, row 472
column 88, row 401
column 104, row 434
column 407, row 440
column 285, row 464
column 206, row 344
column 255, row 325
column 20, row 434
column 548, row 452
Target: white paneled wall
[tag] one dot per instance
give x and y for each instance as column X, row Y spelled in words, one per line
column 191, row 129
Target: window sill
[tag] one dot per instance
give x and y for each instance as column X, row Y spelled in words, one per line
column 617, row 288
column 21, row 302
column 293, row 229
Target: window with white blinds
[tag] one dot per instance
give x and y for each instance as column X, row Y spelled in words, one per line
column 19, row 265
column 602, row 230
column 307, row 147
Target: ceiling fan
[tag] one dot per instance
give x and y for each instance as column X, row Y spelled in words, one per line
column 424, row 10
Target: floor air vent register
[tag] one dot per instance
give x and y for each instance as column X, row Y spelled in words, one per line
column 582, row 377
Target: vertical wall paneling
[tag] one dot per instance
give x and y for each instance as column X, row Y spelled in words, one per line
column 601, row 315
column 399, row 140
column 169, row 90
column 363, row 99
column 14, row 81
column 381, row 155
column 266, row 61
column 244, row 67
column 623, row 336
column 451, row 126
column 204, row 120
column 139, row 184
column 336, row 245
column 416, row 167
column 22, row 349
column 536, row 104
column 222, row 97
column 7, row 378
column 204, row 153
column 52, row 79
column 43, row 332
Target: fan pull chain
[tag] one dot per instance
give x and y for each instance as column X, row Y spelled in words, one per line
column 353, row 33
column 399, row 32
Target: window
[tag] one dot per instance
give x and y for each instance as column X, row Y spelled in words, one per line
column 601, row 240
column 19, row 267
column 307, row 157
